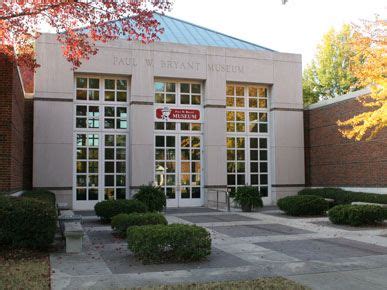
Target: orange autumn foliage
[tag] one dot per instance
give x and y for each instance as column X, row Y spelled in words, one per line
column 77, row 24
column 368, row 65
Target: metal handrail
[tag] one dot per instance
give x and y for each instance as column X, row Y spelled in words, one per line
column 227, row 194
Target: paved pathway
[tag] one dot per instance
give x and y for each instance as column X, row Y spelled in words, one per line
column 245, row 246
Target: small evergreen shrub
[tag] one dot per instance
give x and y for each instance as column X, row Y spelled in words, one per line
column 26, row 222
column 303, row 205
column 153, row 197
column 247, row 197
column 109, row 208
column 356, row 215
column 344, row 196
column 42, row 195
column 175, row 242
column 123, row 221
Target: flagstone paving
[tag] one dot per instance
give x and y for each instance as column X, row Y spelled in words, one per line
column 245, row 246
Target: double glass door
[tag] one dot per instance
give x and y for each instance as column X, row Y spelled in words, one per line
column 178, row 168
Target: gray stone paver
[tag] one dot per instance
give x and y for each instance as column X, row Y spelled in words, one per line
column 216, row 218
column 324, row 249
column 307, row 250
column 258, row 230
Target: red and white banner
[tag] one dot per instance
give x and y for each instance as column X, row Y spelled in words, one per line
column 168, row 113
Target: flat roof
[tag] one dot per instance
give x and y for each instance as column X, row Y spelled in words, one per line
column 337, row 99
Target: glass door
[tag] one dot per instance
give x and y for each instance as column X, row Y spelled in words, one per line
column 87, row 169
column 178, row 168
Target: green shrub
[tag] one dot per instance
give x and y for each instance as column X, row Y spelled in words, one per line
column 152, row 197
column 248, row 197
column 303, row 205
column 175, row 242
column 42, row 195
column 356, row 215
column 26, row 222
column 109, row 208
column 345, row 197
column 123, row 221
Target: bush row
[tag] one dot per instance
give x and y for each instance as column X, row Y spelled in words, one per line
column 175, row 242
column 41, row 195
column 356, row 215
column 121, row 222
column 148, row 198
column 109, row 208
column 303, row 205
column 28, row 221
column 341, row 196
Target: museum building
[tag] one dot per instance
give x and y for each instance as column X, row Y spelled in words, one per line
column 197, row 112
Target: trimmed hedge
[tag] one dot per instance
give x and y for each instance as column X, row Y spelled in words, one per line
column 26, row 222
column 152, row 197
column 123, row 221
column 41, row 195
column 345, row 197
column 109, row 208
column 303, row 205
column 356, row 215
column 175, row 242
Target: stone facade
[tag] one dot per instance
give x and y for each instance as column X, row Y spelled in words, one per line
column 15, row 131
column 214, row 67
column 331, row 160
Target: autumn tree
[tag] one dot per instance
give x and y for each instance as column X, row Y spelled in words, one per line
column 328, row 75
column 368, row 65
column 79, row 24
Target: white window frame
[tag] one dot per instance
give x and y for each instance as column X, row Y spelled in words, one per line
column 247, row 134
column 101, row 132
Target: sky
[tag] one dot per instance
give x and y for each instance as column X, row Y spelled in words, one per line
column 296, row 27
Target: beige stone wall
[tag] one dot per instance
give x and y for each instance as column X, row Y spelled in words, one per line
column 53, row 126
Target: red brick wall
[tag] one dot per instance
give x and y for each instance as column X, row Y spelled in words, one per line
column 13, row 146
column 331, row 160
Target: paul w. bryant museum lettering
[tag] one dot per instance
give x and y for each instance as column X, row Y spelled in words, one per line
column 179, row 65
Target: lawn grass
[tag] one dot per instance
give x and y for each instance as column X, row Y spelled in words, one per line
column 22, row 269
column 270, row 283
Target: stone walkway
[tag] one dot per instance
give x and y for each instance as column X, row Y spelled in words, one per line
column 245, row 246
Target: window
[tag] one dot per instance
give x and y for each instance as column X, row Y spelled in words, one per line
column 165, row 126
column 236, row 121
column 115, row 118
column 115, row 166
column 101, row 121
column 87, row 166
column 236, row 161
column 190, row 127
column 247, row 136
column 165, row 93
column 259, row 164
column 165, row 166
column 87, row 116
column 87, row 89
column 190, row 94
column 116, row 90
column 172, row 126
column 190, row 177
column 178, row 93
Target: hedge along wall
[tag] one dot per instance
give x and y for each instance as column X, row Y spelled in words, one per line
column 334, row 161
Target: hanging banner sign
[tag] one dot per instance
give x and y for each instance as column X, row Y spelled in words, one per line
column 168, row 113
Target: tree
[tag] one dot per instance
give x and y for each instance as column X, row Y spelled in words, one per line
column 368, row 65
column 329, row 75
column 79, row 24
